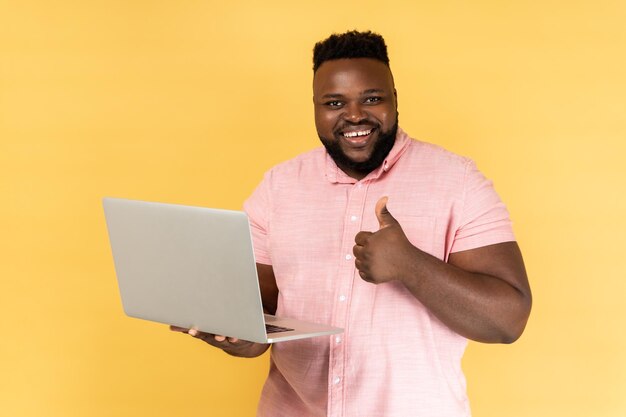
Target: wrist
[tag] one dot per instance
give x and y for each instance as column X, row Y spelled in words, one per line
column 249, row 350
column 412, row 269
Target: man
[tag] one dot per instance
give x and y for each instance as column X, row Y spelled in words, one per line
column 403, row 244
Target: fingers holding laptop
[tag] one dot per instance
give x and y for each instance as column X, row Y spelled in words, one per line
column 231, row 345
column 203, row 336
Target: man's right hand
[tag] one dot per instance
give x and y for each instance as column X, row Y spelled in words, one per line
column 230, row 345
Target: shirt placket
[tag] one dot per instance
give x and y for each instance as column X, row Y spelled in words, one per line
column 343, row 299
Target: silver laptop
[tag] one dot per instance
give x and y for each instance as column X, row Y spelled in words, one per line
column 193, row 267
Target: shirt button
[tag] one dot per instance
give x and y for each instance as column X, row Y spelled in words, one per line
column 336, row 380
column 348, row 257
column 342, row 298
column 338, row 339
column 353, row 218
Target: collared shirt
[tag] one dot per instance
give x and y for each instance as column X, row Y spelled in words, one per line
column 394, row 358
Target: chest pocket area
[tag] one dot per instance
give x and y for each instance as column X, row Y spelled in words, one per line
column 420, row 230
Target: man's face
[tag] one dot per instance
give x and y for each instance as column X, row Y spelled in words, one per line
column 355, row 112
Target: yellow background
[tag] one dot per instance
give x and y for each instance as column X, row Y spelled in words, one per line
column 191, row 101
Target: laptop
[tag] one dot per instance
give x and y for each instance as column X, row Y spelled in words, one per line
column 193, row 267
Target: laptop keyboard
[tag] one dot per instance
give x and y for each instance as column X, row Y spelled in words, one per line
column 270, row 328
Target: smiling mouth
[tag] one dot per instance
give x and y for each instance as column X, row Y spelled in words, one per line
column 357, row 137
column 357, row 133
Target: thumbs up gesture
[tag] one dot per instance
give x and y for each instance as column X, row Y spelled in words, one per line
column 383, row 255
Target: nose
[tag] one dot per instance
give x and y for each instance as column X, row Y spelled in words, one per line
column 354, row 113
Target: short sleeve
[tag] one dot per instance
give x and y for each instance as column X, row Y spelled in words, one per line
column 484, row 218
column 257, row 207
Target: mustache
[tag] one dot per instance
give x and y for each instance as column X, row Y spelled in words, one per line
column 363, row 123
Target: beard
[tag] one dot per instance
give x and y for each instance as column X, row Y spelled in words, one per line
column 382, row 147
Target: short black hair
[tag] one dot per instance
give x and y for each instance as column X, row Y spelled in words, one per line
column 351, row 44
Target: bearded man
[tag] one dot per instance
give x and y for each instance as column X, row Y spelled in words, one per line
column 403, row 244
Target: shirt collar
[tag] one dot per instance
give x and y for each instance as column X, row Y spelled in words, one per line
column 336, row 175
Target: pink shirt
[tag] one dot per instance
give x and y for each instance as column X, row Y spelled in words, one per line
column 394, row 358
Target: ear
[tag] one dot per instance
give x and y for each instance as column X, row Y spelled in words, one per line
column 395, row 94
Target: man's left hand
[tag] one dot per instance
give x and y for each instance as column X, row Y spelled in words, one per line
column 382, row 256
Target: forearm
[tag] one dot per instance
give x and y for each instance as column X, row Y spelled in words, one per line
column 478, row 306
column 482, row 293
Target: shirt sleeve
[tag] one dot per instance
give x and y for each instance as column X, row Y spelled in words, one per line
column 257, row 207
column 484, row 218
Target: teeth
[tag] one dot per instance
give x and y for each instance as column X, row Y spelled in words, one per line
column 356, row 134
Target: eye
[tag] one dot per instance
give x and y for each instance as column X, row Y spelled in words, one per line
column 333, row 103
column 372, row 100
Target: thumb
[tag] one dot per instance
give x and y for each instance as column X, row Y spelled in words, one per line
column 385, row 219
